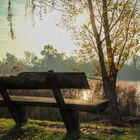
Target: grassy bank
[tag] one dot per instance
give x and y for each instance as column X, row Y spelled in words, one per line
column 44, row 130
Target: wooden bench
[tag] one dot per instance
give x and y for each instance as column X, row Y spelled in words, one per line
column 69, row 108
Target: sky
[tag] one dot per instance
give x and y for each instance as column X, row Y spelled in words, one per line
column 31, row 38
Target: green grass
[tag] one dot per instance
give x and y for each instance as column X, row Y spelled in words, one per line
column 44, row 130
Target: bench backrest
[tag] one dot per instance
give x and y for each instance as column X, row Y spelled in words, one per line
column 44, row 80
column 41, row 80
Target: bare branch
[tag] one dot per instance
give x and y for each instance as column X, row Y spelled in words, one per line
column 55, row 8
column 116, row 32
column 114, row 9
column 115, row 37
column 119, row 17
column 92, row 17
column 100, row 14
column 107, row 32
column 91, row 37
column 127, row 30
column 99, row 9
column 88, row 30
column 109, row 2
column 97, row 38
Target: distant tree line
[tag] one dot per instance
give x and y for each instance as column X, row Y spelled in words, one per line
column 52, row 59
column 131, row 70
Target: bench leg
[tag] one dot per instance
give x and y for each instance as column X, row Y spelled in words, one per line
column 22, row 114
column 9, row 104
column 75, row 123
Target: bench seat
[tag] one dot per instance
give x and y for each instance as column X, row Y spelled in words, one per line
column 81, row 105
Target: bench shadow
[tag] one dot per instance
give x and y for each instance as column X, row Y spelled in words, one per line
column 17, row 133
column 14, row 133
column 77, row 137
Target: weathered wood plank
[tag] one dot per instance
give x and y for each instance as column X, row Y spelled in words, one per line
column 81, row 105
column 22, row 114
column 75, row 121
column 39, row 80
column 53, row 82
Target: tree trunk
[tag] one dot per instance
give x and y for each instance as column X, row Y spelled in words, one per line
column 109, row 85
column 109, row 78
column 109, row 82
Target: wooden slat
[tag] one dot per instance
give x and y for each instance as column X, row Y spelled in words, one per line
column 86, row 106
column 53, row 82
column 39, row 80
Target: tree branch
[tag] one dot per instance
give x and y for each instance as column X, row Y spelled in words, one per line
column 114, row 9
column 91, row 34
column 97, row 38
column 119, row 17
column 127, row 30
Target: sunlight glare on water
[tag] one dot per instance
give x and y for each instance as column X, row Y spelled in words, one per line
column 85, row 95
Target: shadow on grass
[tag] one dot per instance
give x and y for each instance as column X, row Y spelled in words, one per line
column 136, row 132
column 36, row 132
column 77, row 137
column 26, row 132
column 14, row 133
column 29, row 132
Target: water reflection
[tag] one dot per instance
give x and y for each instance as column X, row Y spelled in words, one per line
column 86, row 95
